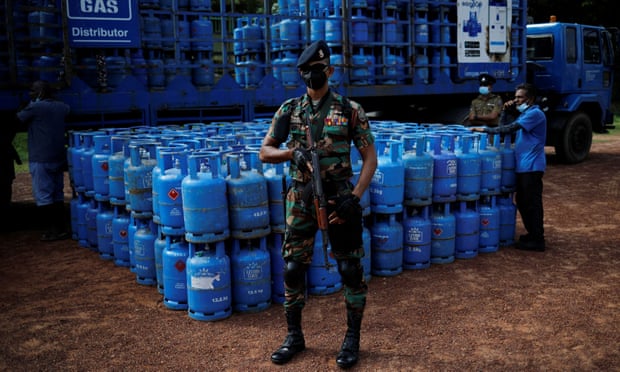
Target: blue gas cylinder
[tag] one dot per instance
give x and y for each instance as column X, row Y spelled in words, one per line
column 491, row 167
column 174, row 274
column 251, row 275
column 254, row 70
column 131, row 234
column 509, row 177
column 91, row 224
column 173, row 166
column 387, row 245
column 183, row 33
column 359, row 26
column 417, row 237
column 252, row 36
column 323, row 277
column 202, row 34
column 274, row 33
column 205, row 202
column 514, row 63
column 119, row 152
column 156, row 75
column 40, row 24
column 73, row 207
column 445, row 30
column 170, row 69
column 209, row 289
column 152, row 31
column 116, row 67
column 82, row 228
column 274, row 243
column 421, row 67
column 101, row 167
column 240, row 74
column 86, row 157
column 394, row 69
column 443, row 225
column 156, row 174
column 317, row 26
column 467, row 229
column 203, row 74
column 248, row 199
column 290, row 34
column 468, row 170
column 158, row 247
column 139, row 67
column 139, row 178
column 507, row 219
column 144, row 252
column 120, row 236
column 288, row 72
column 238, row 44
column 204, row 5
column 104, row 218
column 390, row 29
column 361, row 73
column 333, row 28
column 445, row 169
column 283, row 7
column 489, row 224
column 419, row 168
column 48, row 68
column 337, row 62
column 277, row 185
column 387, row 188
column 167, row 33
column 421, row 28
column 74, row 160
column 366, row 261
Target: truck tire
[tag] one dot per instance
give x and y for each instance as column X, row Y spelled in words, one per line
column 574, row 143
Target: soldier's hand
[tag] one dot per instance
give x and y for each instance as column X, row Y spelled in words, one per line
column 347, row 206
column 302, row 159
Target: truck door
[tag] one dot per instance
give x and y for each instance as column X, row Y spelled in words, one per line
column 593, row 57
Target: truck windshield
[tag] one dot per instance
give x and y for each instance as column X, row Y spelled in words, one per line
column 540, row 47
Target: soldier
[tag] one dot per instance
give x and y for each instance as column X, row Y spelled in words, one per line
column 487, row 107
column 335, row 122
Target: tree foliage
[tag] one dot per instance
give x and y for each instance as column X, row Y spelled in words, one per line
column 594, row 12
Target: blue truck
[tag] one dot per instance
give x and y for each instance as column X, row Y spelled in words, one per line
column 169, row 62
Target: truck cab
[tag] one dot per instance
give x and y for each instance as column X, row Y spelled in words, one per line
column 572, row 67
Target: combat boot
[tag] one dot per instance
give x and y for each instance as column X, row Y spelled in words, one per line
column 349, row 352
column 294, row 341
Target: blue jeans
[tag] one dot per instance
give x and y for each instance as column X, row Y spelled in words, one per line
column 47, row 182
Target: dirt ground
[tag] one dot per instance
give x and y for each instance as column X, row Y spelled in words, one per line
column 64, row 308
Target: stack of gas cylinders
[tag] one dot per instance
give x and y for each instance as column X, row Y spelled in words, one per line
column 192, row 211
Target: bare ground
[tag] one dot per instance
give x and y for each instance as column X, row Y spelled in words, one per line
column 64, row 308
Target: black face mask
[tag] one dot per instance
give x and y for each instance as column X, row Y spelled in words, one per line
column 314, row 79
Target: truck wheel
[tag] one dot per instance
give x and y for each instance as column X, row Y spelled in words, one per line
column 574, row 143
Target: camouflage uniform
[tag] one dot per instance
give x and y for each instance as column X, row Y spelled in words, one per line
column 485, row 104
column 333, row 145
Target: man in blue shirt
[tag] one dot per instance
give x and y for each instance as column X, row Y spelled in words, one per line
column 45, row 118
column 531, row 132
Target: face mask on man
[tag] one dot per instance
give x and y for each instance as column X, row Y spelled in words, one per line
column 484, row 90
column 315, row 77
column 522, row 107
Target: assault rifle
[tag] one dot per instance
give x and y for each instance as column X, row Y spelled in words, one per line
column 320, row 203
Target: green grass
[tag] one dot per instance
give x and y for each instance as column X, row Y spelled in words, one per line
column 21, row 145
